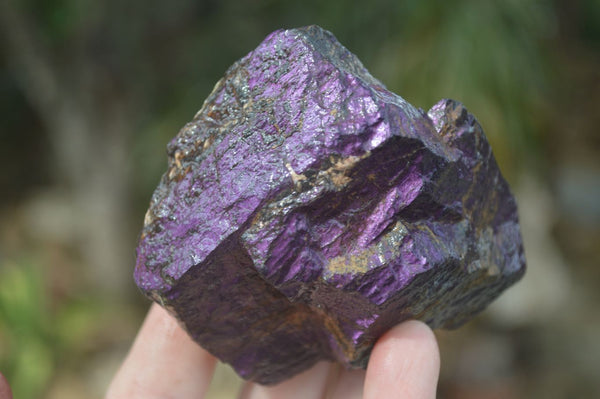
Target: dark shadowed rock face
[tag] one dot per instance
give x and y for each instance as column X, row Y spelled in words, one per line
column 306, row 210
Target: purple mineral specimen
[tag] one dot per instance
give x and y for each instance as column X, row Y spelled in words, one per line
column 306, row 210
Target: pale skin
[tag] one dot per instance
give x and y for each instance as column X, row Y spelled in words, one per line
column 165, row 363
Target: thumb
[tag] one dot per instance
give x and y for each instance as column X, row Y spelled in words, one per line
column 405, row 363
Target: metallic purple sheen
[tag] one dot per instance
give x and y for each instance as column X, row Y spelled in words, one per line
column 306, row 210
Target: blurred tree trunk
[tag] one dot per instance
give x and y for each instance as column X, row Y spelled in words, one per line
column 90, row 141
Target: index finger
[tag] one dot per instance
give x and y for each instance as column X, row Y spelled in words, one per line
column 163, row 362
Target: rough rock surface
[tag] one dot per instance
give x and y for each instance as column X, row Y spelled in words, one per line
column 306, row 210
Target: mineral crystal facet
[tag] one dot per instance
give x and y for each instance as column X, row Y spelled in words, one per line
column 306, row 210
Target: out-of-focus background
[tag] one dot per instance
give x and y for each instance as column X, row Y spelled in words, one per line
column 91, row 91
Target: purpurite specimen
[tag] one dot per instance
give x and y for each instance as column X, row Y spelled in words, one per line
column 306, row 210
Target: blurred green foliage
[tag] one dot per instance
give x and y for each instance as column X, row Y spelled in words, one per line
column 26, row 334
column 42, row 332
column 163, row 58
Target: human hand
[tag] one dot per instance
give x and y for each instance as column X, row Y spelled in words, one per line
column 165, row 362
column 5, row 392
